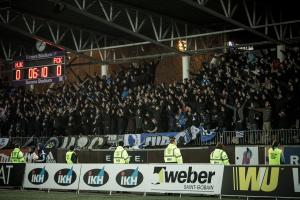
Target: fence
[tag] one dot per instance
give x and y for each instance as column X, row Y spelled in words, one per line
column 258, row 137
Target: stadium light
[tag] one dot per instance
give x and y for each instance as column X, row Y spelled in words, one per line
column 182, row 45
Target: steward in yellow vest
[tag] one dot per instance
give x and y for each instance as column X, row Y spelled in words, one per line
column 16, row 155
column 121, row 155
column 219, row 156
column 172, row 154
column 275, row 154
column 71, row 156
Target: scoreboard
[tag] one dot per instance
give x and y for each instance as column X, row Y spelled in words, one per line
column 37, row 69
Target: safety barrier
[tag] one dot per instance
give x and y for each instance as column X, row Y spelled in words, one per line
column 187, row 138
column 258, row 137
column 202, row 179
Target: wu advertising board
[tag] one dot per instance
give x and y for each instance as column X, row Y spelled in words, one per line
column 11, row 175
column 281, row 181
column 112, row 177
column 197, row 179
column 52, row 176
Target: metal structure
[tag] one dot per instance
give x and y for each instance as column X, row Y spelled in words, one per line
column 100, row 30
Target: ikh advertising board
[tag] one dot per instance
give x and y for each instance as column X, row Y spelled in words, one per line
column 197, row 179
column 111, row 177
column 52, row 176
column 283, row 181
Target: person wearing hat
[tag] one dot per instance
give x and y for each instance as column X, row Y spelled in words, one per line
column 71, row 156
column 16, row 155
column 120, row 154
column 219, row 156
column 275, row 154
column 172, row 154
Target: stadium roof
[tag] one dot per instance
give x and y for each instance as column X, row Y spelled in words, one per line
column 107, row 26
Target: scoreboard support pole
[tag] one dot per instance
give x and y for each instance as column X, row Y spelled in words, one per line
column 104, row 70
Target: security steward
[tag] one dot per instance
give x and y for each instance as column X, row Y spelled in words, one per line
column 219, row 156
column 16, row 155
column 120, row 154
column 71, row 156
column 172, row 154
column 275, row 154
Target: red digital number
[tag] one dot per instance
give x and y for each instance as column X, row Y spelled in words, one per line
column 58, row 70
column 57, row 60
column 18, row 74
column 44, row 73
column 32, row 73
column 19, row 64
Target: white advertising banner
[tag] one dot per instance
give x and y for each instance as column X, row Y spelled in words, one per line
column 186, row 178
column 115, row 177
column 52, row 176
column 246, row 155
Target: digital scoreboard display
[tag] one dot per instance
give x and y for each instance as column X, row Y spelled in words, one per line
column 37, row 69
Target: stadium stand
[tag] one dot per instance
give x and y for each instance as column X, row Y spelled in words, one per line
column 228, row 94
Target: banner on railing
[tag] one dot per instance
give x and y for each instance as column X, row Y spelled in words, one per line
column 207, row 135
column 82, row 142
column 3, row 142
column 11, row 174
column 88, row 142
column 193, row 179
column 280, row 181
column 52, row 176
column 162, row 139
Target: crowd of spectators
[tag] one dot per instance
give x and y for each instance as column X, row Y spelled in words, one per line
column 235, row 91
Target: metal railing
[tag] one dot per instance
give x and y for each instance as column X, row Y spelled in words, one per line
column 258, row 137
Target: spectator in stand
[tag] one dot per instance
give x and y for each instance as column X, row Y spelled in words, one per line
column 267, row 115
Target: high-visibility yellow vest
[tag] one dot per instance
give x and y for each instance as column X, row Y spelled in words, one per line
column 121, row 156
column 17, row 156
column 172, row 154
column 69, row 157
column 219, row 156
column 274, row 156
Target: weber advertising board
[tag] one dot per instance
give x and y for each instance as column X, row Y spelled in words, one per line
column 280, row 181
column 52, row 176
column 197, row 179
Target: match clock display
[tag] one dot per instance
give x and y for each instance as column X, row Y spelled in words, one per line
column 41, row 68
